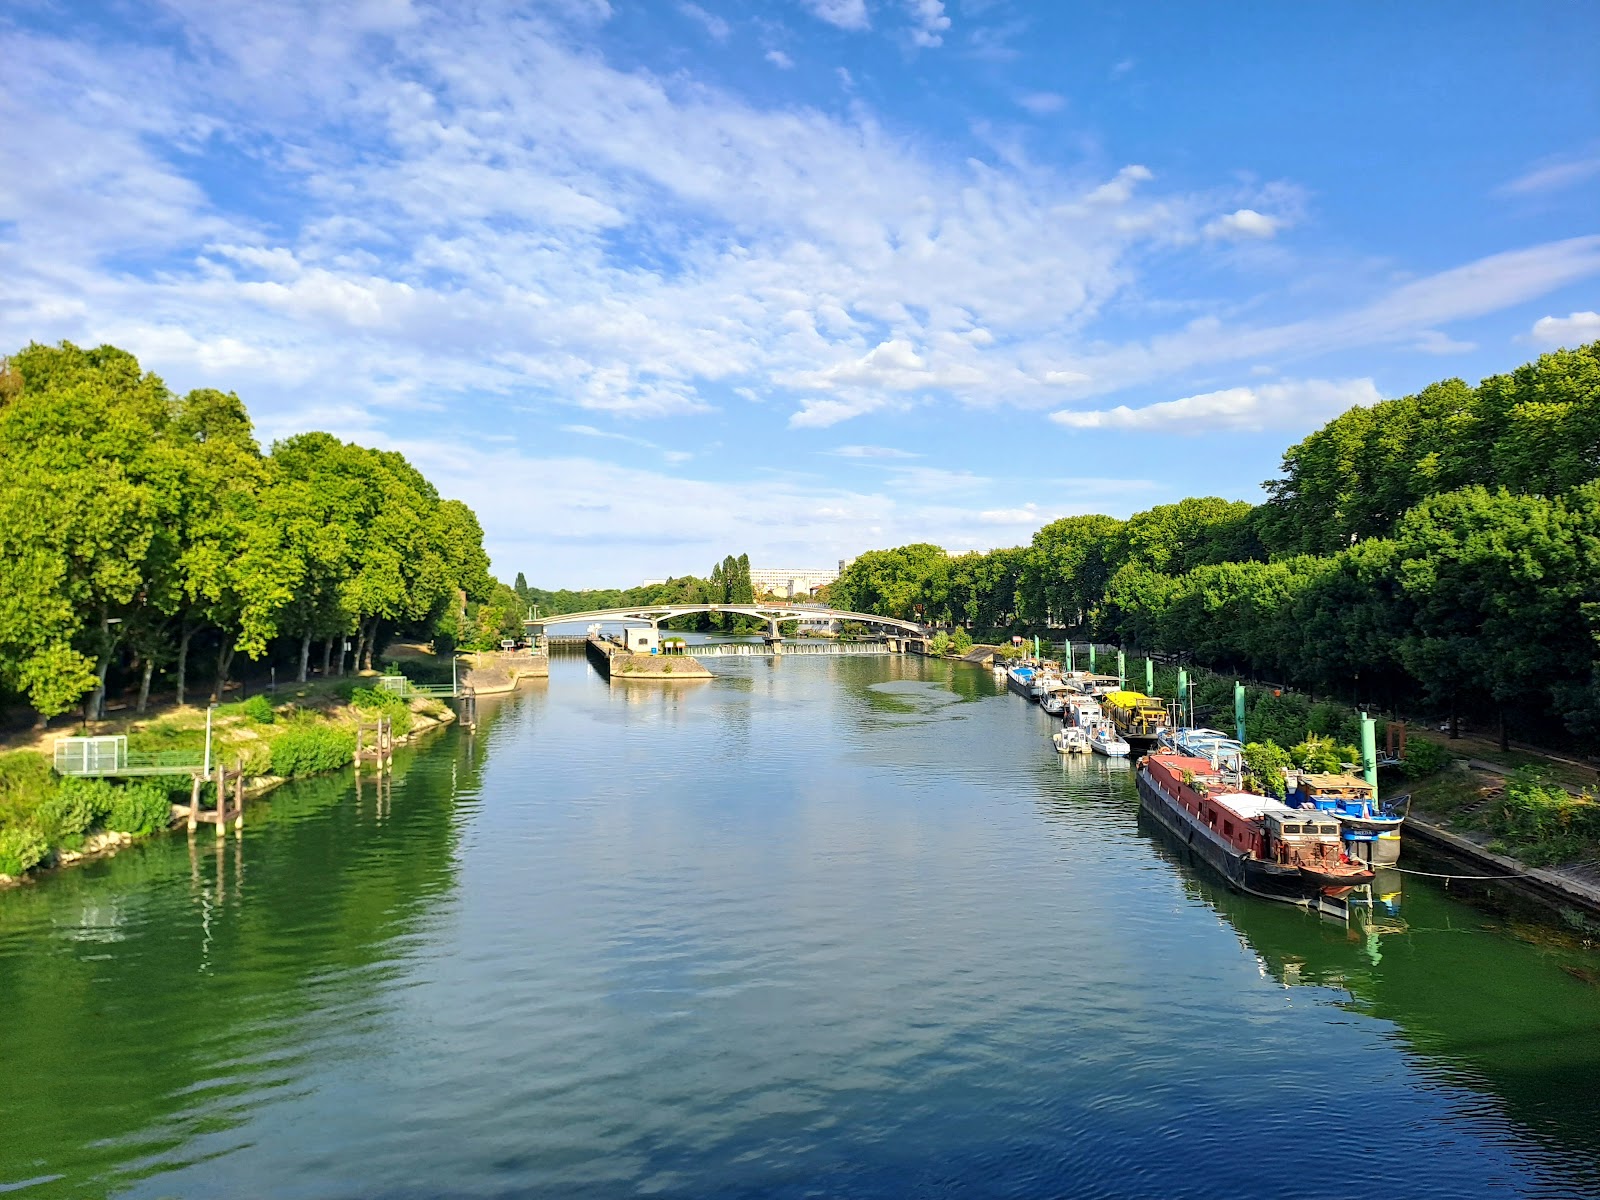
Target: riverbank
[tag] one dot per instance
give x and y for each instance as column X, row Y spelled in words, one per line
column 49, row 821
column 1529, row 834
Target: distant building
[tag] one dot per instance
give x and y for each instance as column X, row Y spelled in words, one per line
column 652, row 583
column 790, row 582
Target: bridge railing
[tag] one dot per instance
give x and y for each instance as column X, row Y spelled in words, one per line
column 404, row 688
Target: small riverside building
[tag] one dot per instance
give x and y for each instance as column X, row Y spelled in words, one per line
column 642, row 639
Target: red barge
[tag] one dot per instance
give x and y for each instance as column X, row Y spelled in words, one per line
column 1258, row 844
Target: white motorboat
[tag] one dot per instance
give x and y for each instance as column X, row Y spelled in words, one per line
column 1070, row 740
column 1104, row 739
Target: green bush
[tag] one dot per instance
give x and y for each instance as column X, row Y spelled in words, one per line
column 1323, row 755
column 1266, row 762
column 939, row 644
column 26, row 779
column 383, row 703
column 310, row 749
column 22, row 848
column 961, row 640
column 76, row 807
column 257, row 708
column 1424, row 758
column 140, row 808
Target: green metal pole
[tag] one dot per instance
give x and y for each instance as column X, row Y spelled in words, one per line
column 1150, row 676
column 1066, row 655
column 1036, row 645
column 1091, row 658
column 1183, row 693
column 1238, row 707
column 1122, row 671
column 1369, row 749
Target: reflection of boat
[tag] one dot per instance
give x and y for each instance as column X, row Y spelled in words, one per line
column 1258, row 844
column 1069, row 739
column 1370, row 829
column 1104, row 740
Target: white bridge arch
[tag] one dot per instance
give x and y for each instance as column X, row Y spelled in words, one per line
column 773, row 614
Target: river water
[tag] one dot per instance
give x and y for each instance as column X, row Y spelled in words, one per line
column 830, row 927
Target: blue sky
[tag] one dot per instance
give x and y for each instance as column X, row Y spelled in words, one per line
column 651, row 283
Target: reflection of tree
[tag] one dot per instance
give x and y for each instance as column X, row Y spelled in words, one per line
column 122, row 982
column 1500, row 1014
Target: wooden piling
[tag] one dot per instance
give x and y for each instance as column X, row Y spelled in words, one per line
column 194, row 803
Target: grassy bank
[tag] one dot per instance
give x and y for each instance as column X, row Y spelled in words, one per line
column 47, row 820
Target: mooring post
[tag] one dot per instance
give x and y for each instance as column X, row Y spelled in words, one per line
column 238, row 797
column 358, row 748
column 194, row 803
column 1150, row 676
column 1238, row 708
column 222, row 801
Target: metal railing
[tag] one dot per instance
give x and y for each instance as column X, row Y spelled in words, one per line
column 94, row 756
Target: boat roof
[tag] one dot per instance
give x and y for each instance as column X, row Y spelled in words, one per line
column 1133, row 699
column 1248, row 804
column 1323, row 781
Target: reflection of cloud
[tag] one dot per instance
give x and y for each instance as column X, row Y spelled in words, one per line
column 1574, row 329
column 1291, row 406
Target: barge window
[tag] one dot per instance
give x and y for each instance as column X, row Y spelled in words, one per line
column 1227, row 828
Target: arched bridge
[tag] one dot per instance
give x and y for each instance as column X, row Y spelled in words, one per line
column 773, row 614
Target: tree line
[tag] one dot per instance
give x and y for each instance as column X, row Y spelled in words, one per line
column 727, row 583
column 139, row 528
column 1440, row 550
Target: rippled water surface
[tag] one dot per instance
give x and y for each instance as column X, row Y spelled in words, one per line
column 834, row 927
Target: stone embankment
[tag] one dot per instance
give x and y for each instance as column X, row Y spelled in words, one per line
column 494, row 671
column 619, row 664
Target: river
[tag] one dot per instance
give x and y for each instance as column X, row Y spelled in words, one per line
column 829, row 927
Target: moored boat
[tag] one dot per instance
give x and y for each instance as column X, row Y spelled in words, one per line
column 1370, row 829
column 1082, row 711
column 1054, row 700
column 1069, row 739
column 1258, row 844
column 1020, row 680
column 1140, row 719
column 1103, row 739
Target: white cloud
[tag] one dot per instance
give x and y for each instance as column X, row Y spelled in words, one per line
column 929, row 22
column 1042, row 103
column 871, row 452
column 845, row 14
column 1431, row 341
column 1574, row 329
column 779, row 59
column 1246, row 223
column 1292, row 405
column 710, row 22
column 1553, row 175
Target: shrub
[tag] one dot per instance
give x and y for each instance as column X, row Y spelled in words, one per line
column 384, row 703
column 961, row 641
column 140, row 808
column 76, row 807
column 22, row 848
column 1323, row 755
column 309, row 749
column 1423, row 758
column 1266, row 762
column 939, row 644
column 26, row 779
column 257, row 708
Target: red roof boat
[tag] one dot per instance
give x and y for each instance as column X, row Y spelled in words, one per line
column 1259, row 844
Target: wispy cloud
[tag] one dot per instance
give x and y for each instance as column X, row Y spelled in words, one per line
column 843, row 14
column 870, row 452
column 710, row 22
column 928, row 22
column 1554, row 174
column 1042, row 103
column 780, row 60
column 1296, row 405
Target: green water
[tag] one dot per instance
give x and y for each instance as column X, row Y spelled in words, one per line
column 841, row 927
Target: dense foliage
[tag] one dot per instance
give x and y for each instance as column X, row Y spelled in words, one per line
column 137, row 525
column 1439, row 551
column 728, row 583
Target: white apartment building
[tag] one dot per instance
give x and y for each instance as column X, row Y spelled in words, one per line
column 790, row 582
